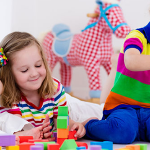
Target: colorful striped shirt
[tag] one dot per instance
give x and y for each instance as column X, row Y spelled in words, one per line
column 36, row 115
column 131, row 88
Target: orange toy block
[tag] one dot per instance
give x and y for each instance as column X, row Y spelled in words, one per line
column 16, row 147
column 133, row 147
column 53, row 146
column 82, row 144
column 25, row 146
column 32, row 141
column 60, row 140
column 63, row 133
column 25, row 138
column 71, row 135
column 123, row 149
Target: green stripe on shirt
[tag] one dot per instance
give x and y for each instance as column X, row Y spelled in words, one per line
column 127, row 85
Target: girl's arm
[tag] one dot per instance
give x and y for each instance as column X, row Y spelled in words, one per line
column 135, row 61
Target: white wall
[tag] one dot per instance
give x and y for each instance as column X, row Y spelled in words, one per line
column 37, row 16
column 5, row 17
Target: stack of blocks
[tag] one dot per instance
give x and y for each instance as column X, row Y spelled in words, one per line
column 62, row 124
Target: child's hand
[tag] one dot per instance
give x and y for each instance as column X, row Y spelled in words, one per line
column 46, row 129
column 80, row 129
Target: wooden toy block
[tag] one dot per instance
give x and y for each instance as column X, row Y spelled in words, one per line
column 82, row 144
column 45, row 144
column 53, row 146
column 95, row 147
column 16, row 147
column 7, row 140
column 63, row 111
column 36, row 147
column 63, row 133
column 62, row 122
column 142, row 146
column 25, row 146
column 71, row 135
column 105, row 145
column 60, row 140
column 25, row 138
column 36, row 140
column 69, row 144
column 133, row 147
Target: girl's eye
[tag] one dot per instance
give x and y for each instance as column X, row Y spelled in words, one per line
column 38, row 66
column 24, row 71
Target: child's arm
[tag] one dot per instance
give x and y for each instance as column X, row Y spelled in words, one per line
column 77, row 126
column 135, row 61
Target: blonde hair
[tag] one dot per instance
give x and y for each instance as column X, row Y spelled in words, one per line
column 12, row 43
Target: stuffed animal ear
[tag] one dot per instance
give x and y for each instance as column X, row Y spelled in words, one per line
column 41, row 37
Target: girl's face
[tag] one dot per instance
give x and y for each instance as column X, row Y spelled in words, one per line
column 28, row 69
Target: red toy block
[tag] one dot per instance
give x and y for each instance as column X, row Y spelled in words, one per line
column 25, row 146
column 71, row 135
column 82, row 144
column 60, row 140
column 25, row 138
column 32, row 140
column 53, row 146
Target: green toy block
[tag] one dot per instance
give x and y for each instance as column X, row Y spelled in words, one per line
column 45, row 144
column 69, row 144
column 63, row 111
column 142, row 146
column 62, row 122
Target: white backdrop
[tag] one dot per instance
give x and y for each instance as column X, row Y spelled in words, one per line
column 38, row 16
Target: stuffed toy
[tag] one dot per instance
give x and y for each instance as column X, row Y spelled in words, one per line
column 90, row 48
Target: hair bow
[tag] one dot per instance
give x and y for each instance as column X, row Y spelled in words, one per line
column 3, row 58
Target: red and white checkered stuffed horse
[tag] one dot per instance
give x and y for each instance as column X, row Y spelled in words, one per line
column 91, row 48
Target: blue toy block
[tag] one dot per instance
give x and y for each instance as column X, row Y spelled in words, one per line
column 105, row 144
column 7, row 140
column 81, row 148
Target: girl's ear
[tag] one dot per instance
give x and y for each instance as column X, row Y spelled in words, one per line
column 1, row 87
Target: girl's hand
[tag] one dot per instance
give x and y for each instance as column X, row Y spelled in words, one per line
column 46, row 129
column 80, row 129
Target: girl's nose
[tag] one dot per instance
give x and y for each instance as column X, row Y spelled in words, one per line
column 33, row 72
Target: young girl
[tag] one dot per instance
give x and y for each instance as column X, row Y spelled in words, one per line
column 29, row 90
column 126, row 115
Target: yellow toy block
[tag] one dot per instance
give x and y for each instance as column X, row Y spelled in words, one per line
column 63, row 133
column 16, row 147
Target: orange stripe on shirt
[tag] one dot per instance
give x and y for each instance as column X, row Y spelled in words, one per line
column 113, row 100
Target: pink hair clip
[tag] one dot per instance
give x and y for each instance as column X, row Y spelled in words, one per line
column 3, row 58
